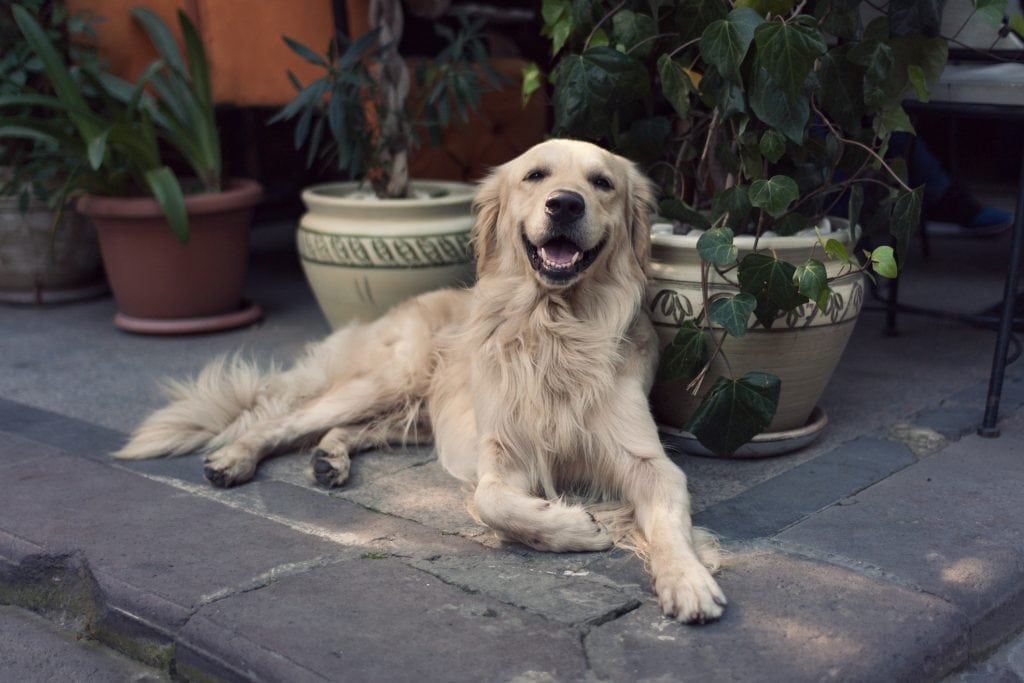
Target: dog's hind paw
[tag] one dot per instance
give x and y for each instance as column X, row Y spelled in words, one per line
column 329, row 470
column 226, row 467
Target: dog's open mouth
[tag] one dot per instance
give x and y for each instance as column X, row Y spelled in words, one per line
column 560, row 259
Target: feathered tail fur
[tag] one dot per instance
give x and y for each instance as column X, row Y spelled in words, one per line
column 229, row 395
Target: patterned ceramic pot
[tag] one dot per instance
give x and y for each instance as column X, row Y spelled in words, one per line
column 363, row 255
column 803, row 347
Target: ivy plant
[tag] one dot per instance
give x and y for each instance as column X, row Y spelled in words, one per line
column 750, row 116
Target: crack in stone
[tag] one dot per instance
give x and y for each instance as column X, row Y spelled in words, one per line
column 269, row 577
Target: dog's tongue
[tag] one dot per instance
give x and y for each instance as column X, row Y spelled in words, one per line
column 559, row 252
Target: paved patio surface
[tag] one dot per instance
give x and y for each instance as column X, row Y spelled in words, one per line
column 890, row 549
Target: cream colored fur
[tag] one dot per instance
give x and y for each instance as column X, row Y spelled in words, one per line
column 533, row 388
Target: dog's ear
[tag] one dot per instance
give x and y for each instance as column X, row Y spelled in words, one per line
column 639, row 205
column 487, row 207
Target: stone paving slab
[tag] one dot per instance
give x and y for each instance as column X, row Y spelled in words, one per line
column 376, row 620
column 950, row 525
column 426, row 494
column 793, row 495
column 151, row 553
column 789, row 619
column 34, row 649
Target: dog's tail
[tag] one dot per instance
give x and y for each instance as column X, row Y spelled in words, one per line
column 226, row 396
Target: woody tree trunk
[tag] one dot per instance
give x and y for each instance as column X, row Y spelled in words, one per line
column 393, row 83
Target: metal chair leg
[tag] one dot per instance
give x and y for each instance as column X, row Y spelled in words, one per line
column 988, row 427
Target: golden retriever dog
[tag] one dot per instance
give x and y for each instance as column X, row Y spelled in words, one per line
column 533, row 385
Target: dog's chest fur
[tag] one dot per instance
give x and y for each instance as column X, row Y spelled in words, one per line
column 555, row 370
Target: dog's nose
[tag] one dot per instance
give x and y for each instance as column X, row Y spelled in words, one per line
column 564, row 206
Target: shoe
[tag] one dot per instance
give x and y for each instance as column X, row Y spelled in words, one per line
column 958, row 214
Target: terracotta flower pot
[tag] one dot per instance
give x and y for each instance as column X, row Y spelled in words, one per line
column 164, row 287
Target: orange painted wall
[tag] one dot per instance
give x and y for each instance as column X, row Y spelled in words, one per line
column 243, row 40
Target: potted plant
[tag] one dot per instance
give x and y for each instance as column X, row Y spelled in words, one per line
column 175, row 260
column 41, row 261
column 368, row 244
column 757, row 120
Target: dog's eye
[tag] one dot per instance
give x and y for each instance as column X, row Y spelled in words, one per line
column 535, row 175
column 601, row 182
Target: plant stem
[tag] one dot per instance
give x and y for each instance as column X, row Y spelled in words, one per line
column 857, row 143
column 605, row 18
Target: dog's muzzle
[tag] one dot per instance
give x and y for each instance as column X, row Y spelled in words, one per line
column 559, row 258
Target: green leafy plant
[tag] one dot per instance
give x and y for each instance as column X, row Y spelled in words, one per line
column 109, row 133
column 750, row 116
column 26, row 170
column 361, row 114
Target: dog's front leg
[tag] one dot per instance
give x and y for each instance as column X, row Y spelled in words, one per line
column 656, row 488
column 686, row 590
column 504, row 502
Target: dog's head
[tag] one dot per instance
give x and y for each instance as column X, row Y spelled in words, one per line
column 563, row 209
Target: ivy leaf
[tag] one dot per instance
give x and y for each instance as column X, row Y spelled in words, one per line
column 837, row 251
column 715, row 246
column 775, row 108
column 764, row 7
column 915, row 16
column 725, row 42
column 787, row 51
column 727, row 96
column 678, row 210
column 675, row 85
column 790, row 224
column 878, row 60
column 891, row 120
column 557, row 15
column 812, row 281
column 1016, row 24
column 855, row 204
column 840, row 89
column 733, row 312
column 531, row 82
column 634, row 31
column 735, row 411
column 774, row 195
column 992, row 11
column 592, row 86
column 645, row 140
column 760, row 273
column 917, row 80
column 772, row 145
column 733, row 201
column 766, row 311
column 883, row 261
column 685, row 355
column 905, row 219
column 690, row 15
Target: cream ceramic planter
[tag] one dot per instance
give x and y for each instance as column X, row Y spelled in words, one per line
column 363, row 255
column 802, row 348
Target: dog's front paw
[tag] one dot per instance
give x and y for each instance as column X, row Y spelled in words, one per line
column 228, row 466
column 329, row 470
column 688, row 593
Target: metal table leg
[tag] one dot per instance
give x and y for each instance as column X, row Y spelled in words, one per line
column 995, row 383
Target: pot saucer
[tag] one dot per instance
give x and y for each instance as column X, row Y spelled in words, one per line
column 246, row 314
column 761, row 446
